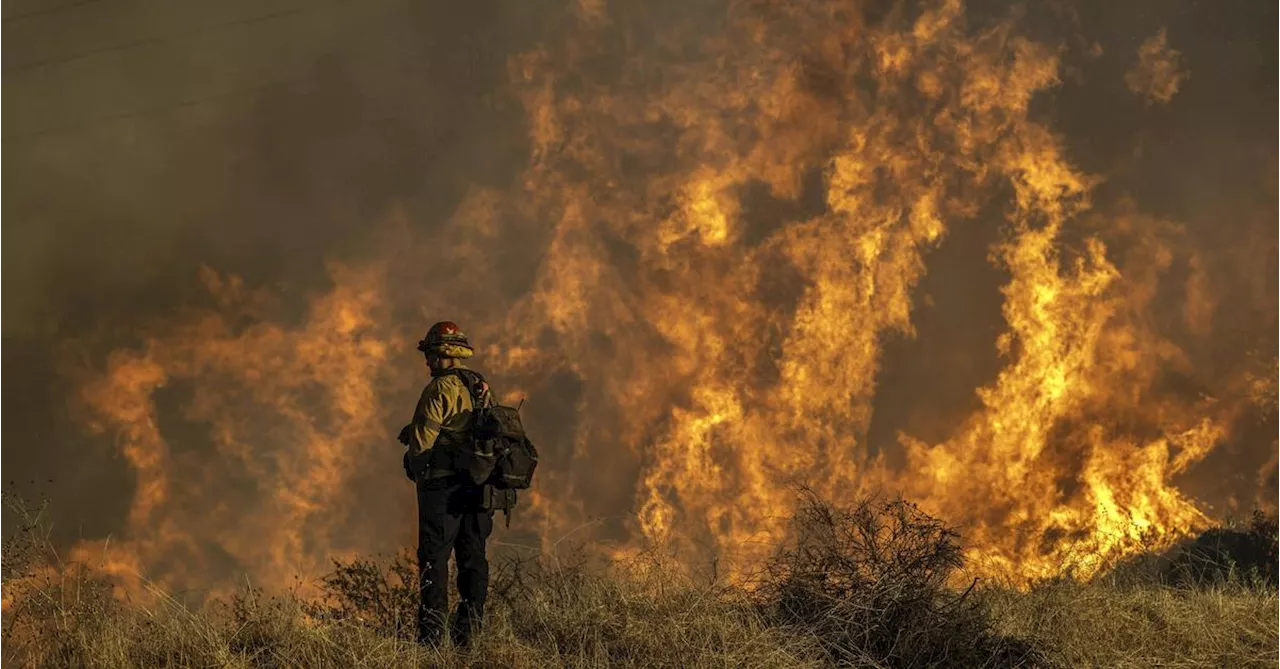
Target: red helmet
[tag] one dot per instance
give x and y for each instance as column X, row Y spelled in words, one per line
column 442, row 334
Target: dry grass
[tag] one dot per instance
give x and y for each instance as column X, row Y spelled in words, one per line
column 863, row 586
column 1105, row 625
column 643, row 613
column 563, row 617
column 1209, row 602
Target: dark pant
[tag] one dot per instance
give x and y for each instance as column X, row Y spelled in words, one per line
column 450, row 517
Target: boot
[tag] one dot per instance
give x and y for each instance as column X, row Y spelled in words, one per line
column 466, row 624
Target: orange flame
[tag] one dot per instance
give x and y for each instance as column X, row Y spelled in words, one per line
column 729, row 232
column 291, row 412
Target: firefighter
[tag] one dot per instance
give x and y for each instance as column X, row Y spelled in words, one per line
column 451, row 516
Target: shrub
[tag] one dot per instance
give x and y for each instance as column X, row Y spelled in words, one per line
column 870, row 582
column 381, row 597
column 1246, row 554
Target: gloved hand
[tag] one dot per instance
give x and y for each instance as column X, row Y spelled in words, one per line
column 406, row 433
column 408, row 468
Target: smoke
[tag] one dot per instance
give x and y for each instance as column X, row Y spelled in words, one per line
column 307, row 130
column 721, row 250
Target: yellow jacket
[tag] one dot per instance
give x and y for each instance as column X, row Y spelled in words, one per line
column 443, row 410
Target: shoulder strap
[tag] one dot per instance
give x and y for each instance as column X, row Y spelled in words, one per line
column 472, row 379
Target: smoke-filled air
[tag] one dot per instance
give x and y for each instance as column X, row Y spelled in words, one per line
column 1013, row 262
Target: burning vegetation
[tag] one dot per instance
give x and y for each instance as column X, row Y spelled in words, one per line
column 734, row 213
column 932, row 250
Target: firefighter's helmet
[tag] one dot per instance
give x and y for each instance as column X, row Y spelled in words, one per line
column 447, row 340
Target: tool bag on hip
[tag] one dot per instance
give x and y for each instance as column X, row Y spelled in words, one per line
column 499, row 456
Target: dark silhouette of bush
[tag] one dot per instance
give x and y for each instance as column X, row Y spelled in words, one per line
column 873, row 583
column 1245, row 554
column 382, row 597
column 1235, row 554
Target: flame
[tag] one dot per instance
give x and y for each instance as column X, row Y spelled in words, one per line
column 1262, row 388
column 730, row 224
column 309, row 391
column 948, row 125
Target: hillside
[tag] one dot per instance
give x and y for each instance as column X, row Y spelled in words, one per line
column 874, row 585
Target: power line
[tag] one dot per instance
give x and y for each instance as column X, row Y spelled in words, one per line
column 62, row 60
column 160, row 109
column 149, row 111
column 51, row 10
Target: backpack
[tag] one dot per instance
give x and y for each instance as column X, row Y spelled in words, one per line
column 500, row 458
